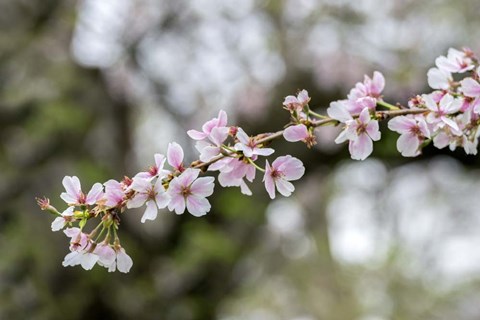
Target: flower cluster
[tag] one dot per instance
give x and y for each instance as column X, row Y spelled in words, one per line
column 177, row 187
column 448, row 116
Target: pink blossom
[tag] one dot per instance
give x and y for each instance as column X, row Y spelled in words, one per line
column 413, row 132
column 74, row 194
column 438, row 116
column 84, row 258
column 278, row 176
column 114, row 193
column 187, row 190
column 233, row 173
column 296, row 133
column 220, row 121
column 297, row 103
column 374, row 86
column 456, row 61
column 355, row 107
column 106, row 254
column 175, row 156
column 470, row 87
column 212, row 147
column 80, row 247
column 371, row 87
column 153, row 195
column 299, row 132
column 338, row 110
column 467, row 137
column 113, row 258
column 61, row 221
column 249, row 146
column 343, row 110
column 78, row 239
column 155, row 171
column 124, row 263
column 360, row 132
column 439, row 79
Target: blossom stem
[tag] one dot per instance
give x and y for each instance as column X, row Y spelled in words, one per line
column 229, row 149
column 100, row 234
column 387, row 105
column 318, row 115
column 255, row 165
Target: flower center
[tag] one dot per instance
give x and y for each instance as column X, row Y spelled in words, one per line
column 251, row 143
column 362, row 128
column 82, row 198
column 276, row 174
column 186, row 192
column 151, row 193
column 416, row 131
column 153, row 170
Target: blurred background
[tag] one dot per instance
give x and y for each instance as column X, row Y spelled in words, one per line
column 94, row 88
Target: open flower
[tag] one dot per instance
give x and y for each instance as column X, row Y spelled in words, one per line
column 249, row 146
column 297, row 103
column 278, row 176
column 188, row 191
column 413, row 132
column 234, row 171
column 74, row 194
column 61, row 221
column 85, row 258
column 360, row 132
column 153, row 195
column 155, row 171
column 212, row 147
column 220, row 121
column 456, row 61
column 470, row 87
column 447, row 106
column 113, row 258
column 371, row 87
column 114, row 193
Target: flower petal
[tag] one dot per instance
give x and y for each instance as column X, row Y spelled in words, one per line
column 364, row 116
column 284, row 187
column 95, row 194
column 197, row 135
column 361, row 147
column 124, row 262
column 338, row 111
column 72, row 186
column 470, row 87
column 150, row 212
column 262, row 151
column 242, row 136
column 372, row 130
column 407, row 145
column 401, row 124
column 203, row 187
column 175, row 155
column 58, row 223
column 439, row 79
column 198, row 206
column 268, row 179
column 296, row 133
column 177, row 204
column 88, row 260
column 137, row 201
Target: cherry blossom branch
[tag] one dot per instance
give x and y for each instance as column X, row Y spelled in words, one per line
column 448, row 116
